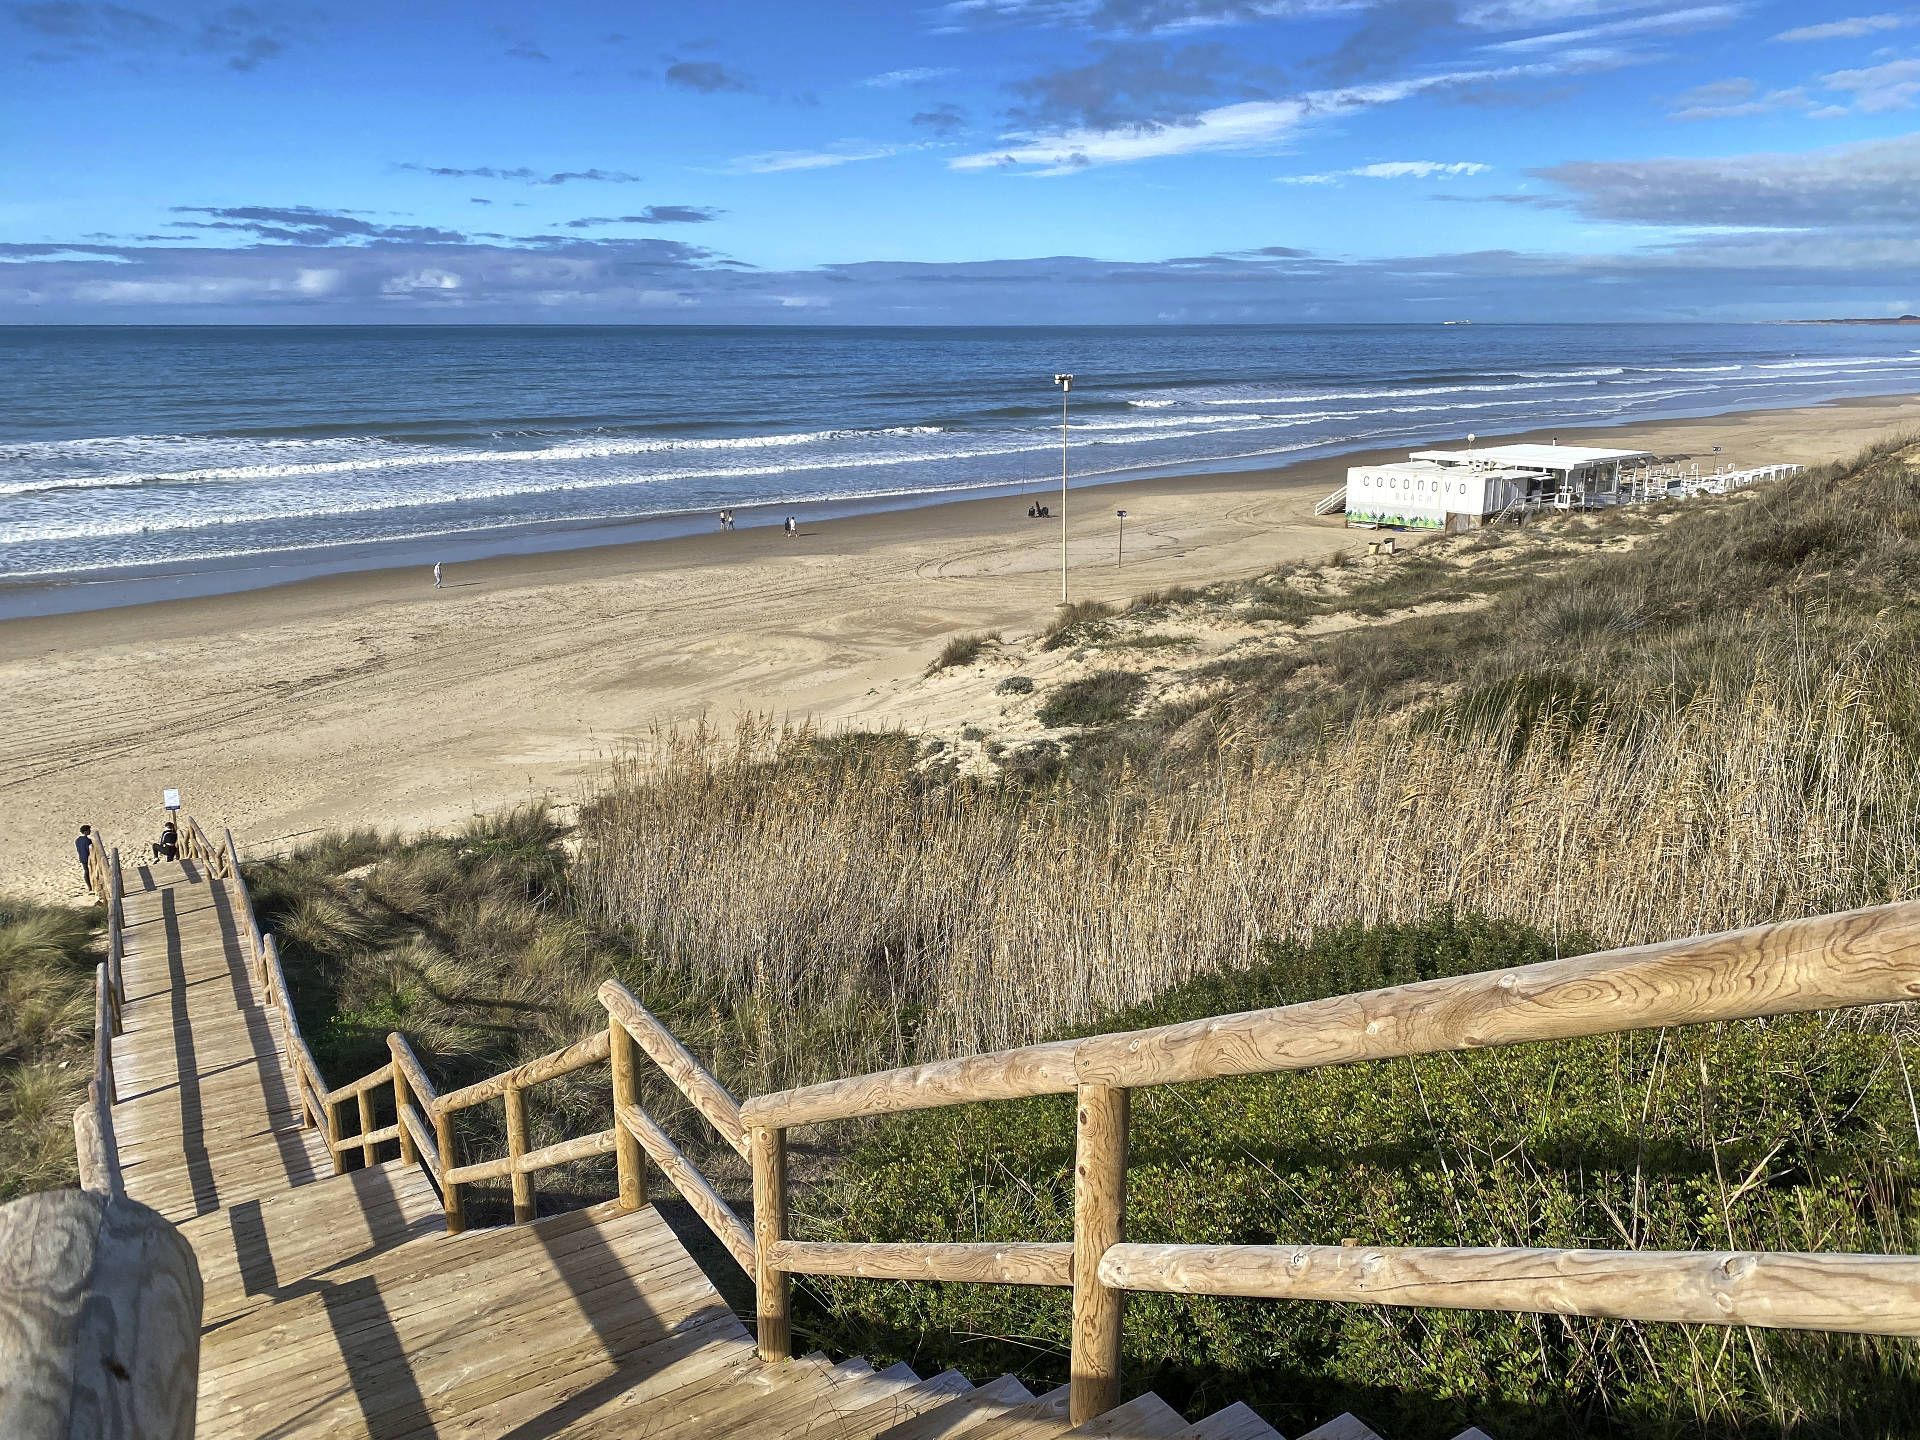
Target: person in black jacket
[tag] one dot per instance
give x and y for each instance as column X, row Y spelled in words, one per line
column 84, row 844
column 169, row 846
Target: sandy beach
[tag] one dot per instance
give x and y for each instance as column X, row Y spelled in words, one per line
column 373, row 699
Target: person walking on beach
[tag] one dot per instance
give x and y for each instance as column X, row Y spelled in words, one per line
column 436, row 576
column 84, row 844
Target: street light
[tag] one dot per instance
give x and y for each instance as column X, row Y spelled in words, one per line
column 1065, row 382
column 1121, row 553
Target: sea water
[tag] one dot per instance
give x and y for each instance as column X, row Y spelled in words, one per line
column 136, row 450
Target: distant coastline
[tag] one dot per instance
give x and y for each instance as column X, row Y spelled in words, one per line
column 1866, row 320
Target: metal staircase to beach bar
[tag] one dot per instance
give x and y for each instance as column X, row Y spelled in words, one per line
column 242, row 1263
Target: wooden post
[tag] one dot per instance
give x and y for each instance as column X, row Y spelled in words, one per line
column 1099, row 1220
column 449, row 1192
column 408, row 1154
column 368, row 1150
column 100, row 1307
column 626, row 1091
column 334, row 1136
column 516, row 1147
column 772, row 1286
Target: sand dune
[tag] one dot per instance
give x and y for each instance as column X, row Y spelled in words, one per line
column 372, row 699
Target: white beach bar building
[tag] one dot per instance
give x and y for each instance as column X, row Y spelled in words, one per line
column 1460, row 489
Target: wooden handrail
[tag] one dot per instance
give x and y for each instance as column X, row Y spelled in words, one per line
column 579, row 1148
column 1861, row 957
column 102, row 1081
column 707, row 1094
column 694, row 1188
column 973, row 1262
column 576, row 1056
column 1858, row 1294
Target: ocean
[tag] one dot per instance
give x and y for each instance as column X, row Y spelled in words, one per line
column 155, row 451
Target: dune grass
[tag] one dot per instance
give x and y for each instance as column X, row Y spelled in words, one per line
column 962, row 650
column 47, row 959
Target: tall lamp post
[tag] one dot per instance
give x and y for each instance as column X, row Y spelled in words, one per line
column 1065, row 382
column 1121, row 554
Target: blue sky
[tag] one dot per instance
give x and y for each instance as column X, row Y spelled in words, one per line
column 991, row 161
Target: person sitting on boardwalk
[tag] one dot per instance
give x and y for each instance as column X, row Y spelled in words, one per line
column 169, row 843
column 84, row 844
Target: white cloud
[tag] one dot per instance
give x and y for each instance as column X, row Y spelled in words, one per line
column 1524, row 14
column 1250, row 125
column 1849, row 29
column 1393, row 170
column 894, row 79
column 1893, row 86
column 773, row 162
column 1672, row 22
column 1735, row 98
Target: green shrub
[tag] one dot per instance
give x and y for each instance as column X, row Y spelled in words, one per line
column 1015, row 685
column 1097, row 699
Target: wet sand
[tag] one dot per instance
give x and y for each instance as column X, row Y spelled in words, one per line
column 373, row 699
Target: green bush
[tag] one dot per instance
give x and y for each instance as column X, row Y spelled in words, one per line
column 1015, row 685
column 1101, row 698
column 1077, row 624
column 1787, row 1134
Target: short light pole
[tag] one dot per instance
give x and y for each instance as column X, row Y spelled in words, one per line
column 1121, row 553
column 1065, row 382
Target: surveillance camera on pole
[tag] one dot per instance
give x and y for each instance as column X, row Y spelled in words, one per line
column 1065, row 382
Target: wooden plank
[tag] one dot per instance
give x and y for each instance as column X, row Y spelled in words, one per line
column 1036, row 1420
column 1099, row 1223
column 982, row 1264
column 1145, row 1417
column 1341, row 1427
column 964, row 1414
column 694, row 1188
column 1860, row 957
column 707, row 1094
column 1236, row 1422
column 576, row 1056
column 99, row 1320
column 1856, row 1294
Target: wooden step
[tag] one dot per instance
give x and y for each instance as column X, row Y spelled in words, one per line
column 1341, row 1427
column 962, row 1415
column 1145, row 1417
column 273, row 1248
column 1036, row 1420
column 1236, row 1422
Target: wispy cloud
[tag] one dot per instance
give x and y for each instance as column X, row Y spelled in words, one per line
column 307, row 225
column 1892, row 86
column 1736, row 98
column 773, row 162
column 1253, row 125
column 237, row 36
column 1852, row 28
column 918, row 75
column 1667, row 22
column 653, row 215
column 1393, row 170
column 1858, row 186
column 709, row 77
column 941, row 119
column 521, row 173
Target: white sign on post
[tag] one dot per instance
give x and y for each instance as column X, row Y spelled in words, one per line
column 170, row 799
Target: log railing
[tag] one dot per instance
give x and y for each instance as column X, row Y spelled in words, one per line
column 1861, row 957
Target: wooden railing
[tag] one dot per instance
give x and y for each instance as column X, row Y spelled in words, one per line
column 1861, row 957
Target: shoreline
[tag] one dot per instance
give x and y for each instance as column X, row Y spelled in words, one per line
column 369, row 698
column 86, row 592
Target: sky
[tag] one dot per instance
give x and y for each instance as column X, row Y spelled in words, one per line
column 970, row 162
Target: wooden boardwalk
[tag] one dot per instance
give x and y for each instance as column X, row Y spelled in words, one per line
column 336, row 1304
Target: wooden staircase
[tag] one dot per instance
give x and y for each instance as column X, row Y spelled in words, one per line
column 343, row 1296
column 337, row 1304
